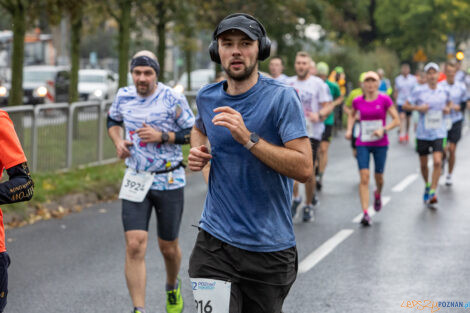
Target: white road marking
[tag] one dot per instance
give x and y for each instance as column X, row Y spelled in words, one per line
column 371, row 210
column 321, row 252
column 405, row 183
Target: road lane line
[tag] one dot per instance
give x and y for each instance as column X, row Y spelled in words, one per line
column 371, row 210
column 321, row 252
column 405, row 183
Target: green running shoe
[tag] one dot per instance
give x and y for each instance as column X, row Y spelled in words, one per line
column 174, row 300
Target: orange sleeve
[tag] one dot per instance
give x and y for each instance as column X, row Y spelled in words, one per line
column 11, row 153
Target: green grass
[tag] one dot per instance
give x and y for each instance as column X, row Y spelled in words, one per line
column 51, row 186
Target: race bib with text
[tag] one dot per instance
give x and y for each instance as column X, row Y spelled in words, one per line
column 211, row 295
column 135, row 185
column 368, row 128
column 433, row 120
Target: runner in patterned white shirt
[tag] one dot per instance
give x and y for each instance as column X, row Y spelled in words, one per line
column 316, row 102
column 458, row 95
column 157, row 120
column 432, row 101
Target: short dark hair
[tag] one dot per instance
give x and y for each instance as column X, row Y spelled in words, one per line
column 276, row 57
column 451, row 63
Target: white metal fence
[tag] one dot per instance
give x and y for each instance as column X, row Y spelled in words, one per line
column 62, row 136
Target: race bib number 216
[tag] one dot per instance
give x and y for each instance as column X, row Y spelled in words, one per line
column 211, row 295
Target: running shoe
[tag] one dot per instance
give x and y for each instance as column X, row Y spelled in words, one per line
column 377, row 202
column 401, row 139
column 366, row 219
column 319, row 184
column 294, row 206
column 174, row 300
column 407, row 138
column 315, row 201
column 449, row 180
column 308, row 214
column 426, row 194
column 432, row 197
column 138, row 310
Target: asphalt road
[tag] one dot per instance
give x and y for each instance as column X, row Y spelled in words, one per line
column 409, row 253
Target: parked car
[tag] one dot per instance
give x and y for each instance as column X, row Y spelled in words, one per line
column 96, row 84
column 42, row 84
column 199, row 78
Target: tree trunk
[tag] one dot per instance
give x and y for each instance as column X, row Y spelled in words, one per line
column 161, row 45
column 188, row 54
column 76, row 29
column 124, row 39
column 19, row 29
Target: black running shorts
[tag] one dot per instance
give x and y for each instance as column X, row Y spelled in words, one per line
column 260, row 281
column 425, row 147
column 455, row 133
column 315, row 145
column 327, row 133
column 168, row 206
column 4, row 263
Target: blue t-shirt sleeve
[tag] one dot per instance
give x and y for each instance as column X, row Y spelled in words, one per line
column 186, row 116
column 290, row 117
column 114, row 111
column 199, row 123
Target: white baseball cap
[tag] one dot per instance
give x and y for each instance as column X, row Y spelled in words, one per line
column 431, row 65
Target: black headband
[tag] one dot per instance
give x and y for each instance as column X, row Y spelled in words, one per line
column 145, row 61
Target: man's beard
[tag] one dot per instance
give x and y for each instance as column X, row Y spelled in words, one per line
column 240, row 76
column 302, row 75
column 143, row 89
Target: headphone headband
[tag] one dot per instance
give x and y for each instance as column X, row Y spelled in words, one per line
column 264, row 42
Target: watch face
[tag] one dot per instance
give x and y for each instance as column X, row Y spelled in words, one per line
column 254, row 137
column 165, row 137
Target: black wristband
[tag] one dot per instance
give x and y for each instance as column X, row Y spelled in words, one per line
column 182, row 137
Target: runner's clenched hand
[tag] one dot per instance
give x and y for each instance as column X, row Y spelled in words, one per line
column 198, row 158
column 232, row 120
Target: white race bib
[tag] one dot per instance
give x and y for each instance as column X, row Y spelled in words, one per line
column 211, row 295
column 368, row 128
column 135, row 186
column 356, row 130
column 448, row 123
column 433, row 120
column 309, row 127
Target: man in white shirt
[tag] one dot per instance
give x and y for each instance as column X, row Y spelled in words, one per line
column 404, row 84
column 316, row 103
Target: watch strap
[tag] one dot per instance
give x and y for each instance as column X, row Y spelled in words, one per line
column 249, row 144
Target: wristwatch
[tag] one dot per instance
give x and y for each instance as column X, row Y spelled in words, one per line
column 254, row 139
column 165, row 137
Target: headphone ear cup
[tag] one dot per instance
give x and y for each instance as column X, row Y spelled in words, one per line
column 264, row 48
column 214, row 51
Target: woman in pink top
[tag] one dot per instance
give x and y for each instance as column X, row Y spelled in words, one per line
column 373, row 108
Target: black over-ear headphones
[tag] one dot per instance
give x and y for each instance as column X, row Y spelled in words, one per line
column 264, row 41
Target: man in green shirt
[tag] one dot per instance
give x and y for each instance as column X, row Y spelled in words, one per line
column 337, row 98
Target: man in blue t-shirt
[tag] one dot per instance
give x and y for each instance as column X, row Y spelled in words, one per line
column 433, row 102
column 245, row 252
